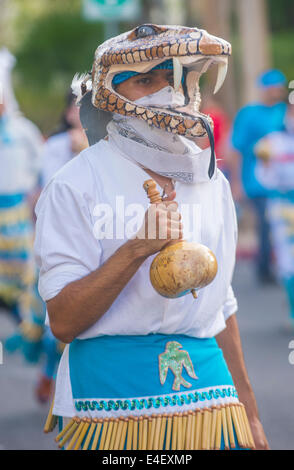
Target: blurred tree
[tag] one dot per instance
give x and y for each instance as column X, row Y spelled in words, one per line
column 8, row 11
column 58, row 44
column 281, row 15
column 219, row 24
column 52, row 42
column 262, row 35
column 255, row 45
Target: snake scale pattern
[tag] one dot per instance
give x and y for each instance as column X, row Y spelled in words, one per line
column 143, row 48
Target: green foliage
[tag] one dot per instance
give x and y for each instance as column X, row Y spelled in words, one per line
column 281, row 14
column 283, row 52
column 58, row 45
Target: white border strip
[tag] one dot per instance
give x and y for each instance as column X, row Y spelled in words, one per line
column 159, row 410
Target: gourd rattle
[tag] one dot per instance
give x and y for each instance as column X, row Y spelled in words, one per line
column 181, row 267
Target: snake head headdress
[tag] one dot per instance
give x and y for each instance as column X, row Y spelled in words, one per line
column 142, row 49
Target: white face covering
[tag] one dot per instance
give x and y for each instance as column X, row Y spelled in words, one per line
column 167, row 97
column 164, row 153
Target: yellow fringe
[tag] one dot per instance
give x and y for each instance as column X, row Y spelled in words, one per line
column 16, row 243
column 23, row 270
column 31, row 331
column 200, row 429
column 51, row 420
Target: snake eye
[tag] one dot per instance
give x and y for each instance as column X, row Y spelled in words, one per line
column 144, row 31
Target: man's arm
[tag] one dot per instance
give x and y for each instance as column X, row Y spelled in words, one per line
column 230, row 342
column 81, row 303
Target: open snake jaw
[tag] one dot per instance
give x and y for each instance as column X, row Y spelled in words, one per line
column 221, row 75
column 149, row 45
column 178, row 73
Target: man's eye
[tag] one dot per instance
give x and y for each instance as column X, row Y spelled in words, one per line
column 170, row 77
column 144, row 81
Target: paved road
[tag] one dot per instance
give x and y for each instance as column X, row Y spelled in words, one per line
column 266, row 336
column 262, row 317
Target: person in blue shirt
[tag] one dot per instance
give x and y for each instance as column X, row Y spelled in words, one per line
column 276, row 172
column 251, row 124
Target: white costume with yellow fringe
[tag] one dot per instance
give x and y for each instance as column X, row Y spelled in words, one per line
column 20, row 147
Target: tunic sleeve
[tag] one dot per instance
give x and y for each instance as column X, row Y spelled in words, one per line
column 65, row 241
column 230, row 306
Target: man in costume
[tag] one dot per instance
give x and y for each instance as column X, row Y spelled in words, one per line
column 143, row 371
column 252, row 123
column 21, row 146
column 20, row 149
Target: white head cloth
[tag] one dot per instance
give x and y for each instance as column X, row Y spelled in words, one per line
column 7, row 62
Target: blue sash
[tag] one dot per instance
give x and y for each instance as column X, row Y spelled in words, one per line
column 111, row 375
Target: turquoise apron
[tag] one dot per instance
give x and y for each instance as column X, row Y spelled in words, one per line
column 152, row 392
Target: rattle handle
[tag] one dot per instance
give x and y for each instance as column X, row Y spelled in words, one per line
column 155, row 198
column 152, row 191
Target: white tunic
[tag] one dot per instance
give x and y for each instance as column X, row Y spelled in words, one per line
column 67, row 249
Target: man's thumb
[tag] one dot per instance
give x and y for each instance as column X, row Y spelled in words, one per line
column 172, row 195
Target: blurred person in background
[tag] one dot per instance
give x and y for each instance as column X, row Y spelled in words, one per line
column 68, row 141
column 252, row 123
column 20, row 159
column 65, row 143
column 20, row 150
column 276, row 172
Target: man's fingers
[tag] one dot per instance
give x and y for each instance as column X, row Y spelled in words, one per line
column 168, row 206
column 173, row 229
column 169, row 217
column 170, row 197
column 175, row 234
column 174, row 215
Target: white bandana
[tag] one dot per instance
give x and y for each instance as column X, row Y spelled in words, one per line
column 164, row 153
